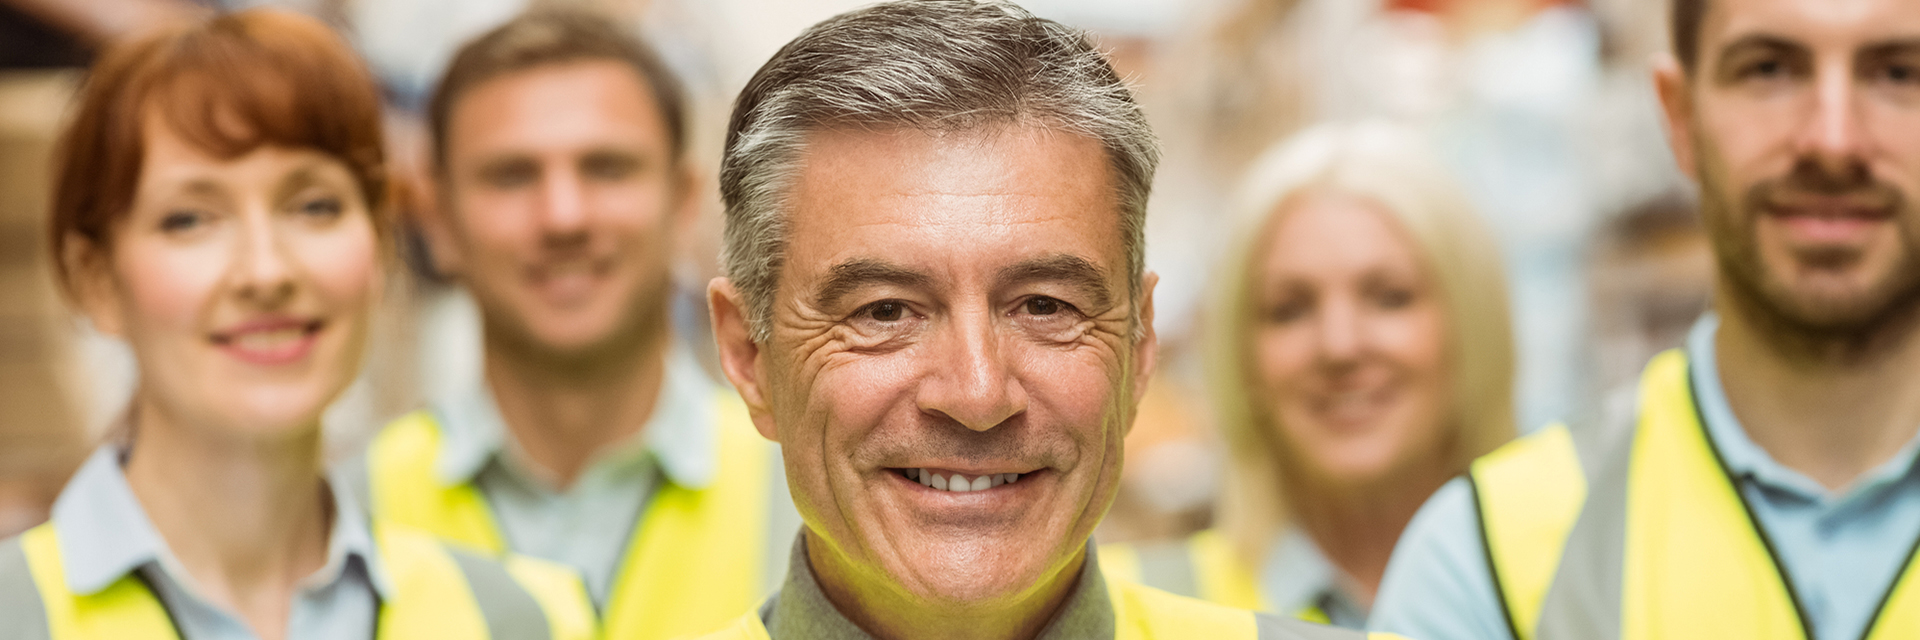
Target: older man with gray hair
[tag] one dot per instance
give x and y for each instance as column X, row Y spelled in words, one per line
column 935, row 302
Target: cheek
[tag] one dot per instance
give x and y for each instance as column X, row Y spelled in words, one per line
column 1281, row 356
column 166, row 289
column 343, row 266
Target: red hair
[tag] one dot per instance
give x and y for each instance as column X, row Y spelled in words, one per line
column 228, row 85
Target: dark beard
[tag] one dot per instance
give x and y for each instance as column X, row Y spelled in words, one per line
column 1860, row 323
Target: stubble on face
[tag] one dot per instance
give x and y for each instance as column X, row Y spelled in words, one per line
column 1845, row 296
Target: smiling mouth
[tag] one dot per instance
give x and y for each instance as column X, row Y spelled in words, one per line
column 956, row 482
column 271, row 343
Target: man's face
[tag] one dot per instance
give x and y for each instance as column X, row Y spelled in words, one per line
column 1801, row 121
column 952, row 305
column 562, row 205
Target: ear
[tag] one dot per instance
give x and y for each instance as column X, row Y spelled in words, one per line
column 434, row 215
column 739, row 354
column 90, row 283
column 1676, row 106
column 1146, row 350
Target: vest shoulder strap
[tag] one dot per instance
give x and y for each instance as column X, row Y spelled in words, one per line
column 405, row 489
column 711, row 538
column 440, row 592
column 26, row 617
column 1529, row 494
column 745, row 627
column 125, row 609
column 1144, row 613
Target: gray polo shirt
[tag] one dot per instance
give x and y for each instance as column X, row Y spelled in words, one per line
column 105, row 535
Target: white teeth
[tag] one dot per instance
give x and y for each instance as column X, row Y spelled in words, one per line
column 998, row 479
column 959, row 484
column 938, row 482
column 982, row 483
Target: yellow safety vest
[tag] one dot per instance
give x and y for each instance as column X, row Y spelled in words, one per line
column 1645, row 537
column 1144, row 613
column 435, row 593
column 1203, row 566
column 696, row 558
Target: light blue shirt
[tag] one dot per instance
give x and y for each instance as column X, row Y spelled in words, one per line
column 1842, row 550
column 1298, row 575
column 589, row 524
column 105, row 535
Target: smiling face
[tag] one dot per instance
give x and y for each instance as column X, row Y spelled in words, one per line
column 1802, row 124
column 951, row 369
column 564, row 202
column 1349, row 342
column 242, row 285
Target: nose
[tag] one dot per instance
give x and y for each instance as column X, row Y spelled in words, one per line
column 563, row 211
column 971, row 380
column 262, row 270
column 1833, row 136
column 1339, row 331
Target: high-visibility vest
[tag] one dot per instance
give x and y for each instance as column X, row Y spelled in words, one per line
column 1144, row 613
column 436, row 593
column 1642, row 534
column 1203, row 566
column 696, row 558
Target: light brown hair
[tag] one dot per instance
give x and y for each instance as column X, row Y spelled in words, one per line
column 227, row 85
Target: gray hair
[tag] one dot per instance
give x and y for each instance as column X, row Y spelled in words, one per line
column 931, row 65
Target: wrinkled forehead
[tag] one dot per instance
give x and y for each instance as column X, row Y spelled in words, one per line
column 1845, row 25
column 956, row 204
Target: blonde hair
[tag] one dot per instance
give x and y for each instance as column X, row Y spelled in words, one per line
column 1394, row 167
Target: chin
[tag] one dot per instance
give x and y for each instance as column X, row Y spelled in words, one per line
column 978, row 576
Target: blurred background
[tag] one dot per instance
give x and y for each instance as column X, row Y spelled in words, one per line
column 1541, row 108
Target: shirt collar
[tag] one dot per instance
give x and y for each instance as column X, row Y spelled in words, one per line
column 680, row 435
column 105, row 534
column 801, row 610
column 1744, row 457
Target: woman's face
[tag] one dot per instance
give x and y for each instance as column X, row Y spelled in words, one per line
column 242, row 285
column 1349, row 335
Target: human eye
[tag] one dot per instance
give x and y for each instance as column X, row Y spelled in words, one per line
column 509, row 174
column 1765, row 65
column 1287, row 309
column 885, row 318
column 1900, row 69
column 1047, row 316
column 321, row 208
column 180, row 222
column 609, row 166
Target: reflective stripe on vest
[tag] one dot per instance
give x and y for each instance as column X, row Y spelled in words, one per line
column 1144, row 613
column 1664, row 544
column 1528, row 493
column 696, row 560
column 1203, row 566
column 435, row 594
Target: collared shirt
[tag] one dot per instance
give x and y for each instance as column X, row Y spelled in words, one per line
column 1841, row 549
column 1297, row 575
column 801, row 611
column 587, row 525
column 105, row 535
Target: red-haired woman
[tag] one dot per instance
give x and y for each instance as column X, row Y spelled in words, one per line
column 219, row 207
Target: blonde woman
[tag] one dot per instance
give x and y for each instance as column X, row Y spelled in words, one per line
column 1359, row 354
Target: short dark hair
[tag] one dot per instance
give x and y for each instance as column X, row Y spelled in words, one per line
column 227, row 85
column 1687, row 16
column 551, row 36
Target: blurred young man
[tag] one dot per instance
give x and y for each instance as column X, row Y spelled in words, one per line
column 1768, row 488
column 595, row 439
column 935, row 302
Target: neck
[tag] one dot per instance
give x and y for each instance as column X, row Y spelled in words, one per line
column 246, row 518
column 888, row 614
column 1829, row 406
column 562, row 411
column 1356, row 527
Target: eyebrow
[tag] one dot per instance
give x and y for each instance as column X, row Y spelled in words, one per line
column 1755, row 41
column 850, row 276
column 305, row 176
column 1074, row 271
column 1895, row 46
